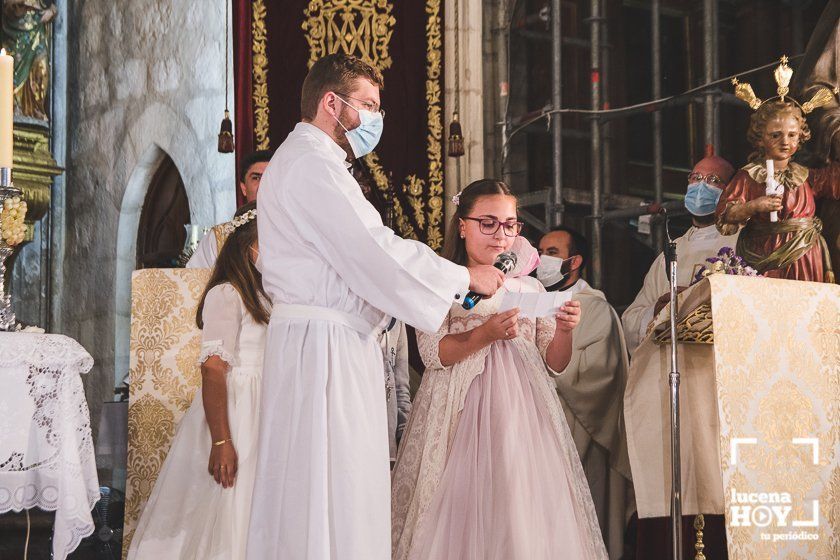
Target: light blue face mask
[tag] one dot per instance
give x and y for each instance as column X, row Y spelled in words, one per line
column 364, row 138
column 701, row 199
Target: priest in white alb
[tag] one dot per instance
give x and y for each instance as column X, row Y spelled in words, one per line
column 702, row 241
column 334, row 274
column 591, row 388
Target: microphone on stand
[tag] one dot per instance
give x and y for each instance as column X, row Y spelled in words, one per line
column 674, row 395
column 504, row 262
column 669, row 246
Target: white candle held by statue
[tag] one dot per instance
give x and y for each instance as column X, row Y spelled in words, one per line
column 772, row 187
column 7, row 92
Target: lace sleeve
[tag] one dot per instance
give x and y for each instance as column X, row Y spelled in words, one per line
column 429, row 345
column 546, row 326
column 222, row 315
column 545, row 329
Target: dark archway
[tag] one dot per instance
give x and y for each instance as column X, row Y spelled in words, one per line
column 166, row 210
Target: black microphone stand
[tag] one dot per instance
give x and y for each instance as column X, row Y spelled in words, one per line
column 674, row 385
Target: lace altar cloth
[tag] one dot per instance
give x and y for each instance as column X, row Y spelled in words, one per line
column 46, row 450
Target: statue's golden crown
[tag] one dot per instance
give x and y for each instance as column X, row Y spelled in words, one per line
column 783, row 74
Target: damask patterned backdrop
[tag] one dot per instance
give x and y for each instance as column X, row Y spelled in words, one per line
column 275, row 43
column 777, row 372
column 164, row 374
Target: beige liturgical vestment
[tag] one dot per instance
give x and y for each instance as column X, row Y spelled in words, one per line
column 693, row 248
column 591, row 390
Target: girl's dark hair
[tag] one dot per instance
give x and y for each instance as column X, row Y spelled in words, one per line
column 234, row 266
column 454, row 248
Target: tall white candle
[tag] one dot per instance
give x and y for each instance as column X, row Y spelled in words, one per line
column 7, row 87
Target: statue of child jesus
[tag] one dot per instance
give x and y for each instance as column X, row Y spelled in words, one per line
column 793, row 246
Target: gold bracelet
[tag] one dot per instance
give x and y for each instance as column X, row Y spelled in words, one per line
column 220, row 442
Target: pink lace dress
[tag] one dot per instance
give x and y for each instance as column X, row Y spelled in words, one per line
column 487, row 469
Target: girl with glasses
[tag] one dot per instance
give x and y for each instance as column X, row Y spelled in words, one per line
column 487, row 467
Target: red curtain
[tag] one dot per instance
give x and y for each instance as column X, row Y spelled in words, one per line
column 412, row 148
column 243, row 112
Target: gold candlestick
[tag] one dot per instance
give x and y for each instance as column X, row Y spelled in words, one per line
column 699, row 525
column 11, row 224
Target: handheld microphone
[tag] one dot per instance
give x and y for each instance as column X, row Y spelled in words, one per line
column 504, row 262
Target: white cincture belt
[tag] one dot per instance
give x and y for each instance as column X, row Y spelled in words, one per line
column 316, row 313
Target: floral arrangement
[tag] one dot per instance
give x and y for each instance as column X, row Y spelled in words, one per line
column 726, row 262
column 12, row 214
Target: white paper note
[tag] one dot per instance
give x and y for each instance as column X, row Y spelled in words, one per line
column 535, row 305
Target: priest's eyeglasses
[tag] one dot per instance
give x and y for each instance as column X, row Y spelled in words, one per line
column 710, row 179
column 489, row 226
column 366, row 105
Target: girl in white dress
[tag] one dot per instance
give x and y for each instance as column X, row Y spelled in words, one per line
column 200, row 508
column 487, row 469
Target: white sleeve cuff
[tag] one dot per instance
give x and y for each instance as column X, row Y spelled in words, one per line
column 463, row 286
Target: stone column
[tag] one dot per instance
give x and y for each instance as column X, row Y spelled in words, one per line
column 471, row 95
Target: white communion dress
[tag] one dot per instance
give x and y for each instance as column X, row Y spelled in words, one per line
column 189, row 516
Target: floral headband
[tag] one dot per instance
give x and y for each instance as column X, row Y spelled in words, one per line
column 456, row 200
column 240, row 221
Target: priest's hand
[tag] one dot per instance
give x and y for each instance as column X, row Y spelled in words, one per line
column 485, row 279
column 223, row 464
column 665, row 299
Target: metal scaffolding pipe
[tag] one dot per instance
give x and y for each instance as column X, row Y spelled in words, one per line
column 595, row 158
column 674, row 208
column 605, row 100
column 657, row 94
column 555, row 213
column 502, row 78
column 709, row 59
column 716, row 70
column 656, row 77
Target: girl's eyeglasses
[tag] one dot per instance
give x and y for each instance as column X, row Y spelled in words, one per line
column 489, row 226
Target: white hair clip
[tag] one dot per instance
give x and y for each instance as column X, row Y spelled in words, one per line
column 240, row 221
column 456, row 199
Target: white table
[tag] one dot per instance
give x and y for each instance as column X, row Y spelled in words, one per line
column 46, row 449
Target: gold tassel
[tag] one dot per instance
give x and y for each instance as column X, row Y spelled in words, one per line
column 456, row 137
column 226, row 135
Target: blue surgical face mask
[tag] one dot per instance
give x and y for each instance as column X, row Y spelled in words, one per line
column 364, row 138
column 701, row 199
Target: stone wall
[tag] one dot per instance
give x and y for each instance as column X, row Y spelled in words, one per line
column 144, row 79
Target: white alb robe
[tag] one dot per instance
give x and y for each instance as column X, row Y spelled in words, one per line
column 322, row 482
column 693, row 248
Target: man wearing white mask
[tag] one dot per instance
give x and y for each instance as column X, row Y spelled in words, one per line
column 702, row 241
column 591, row 388
column 333, row 271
